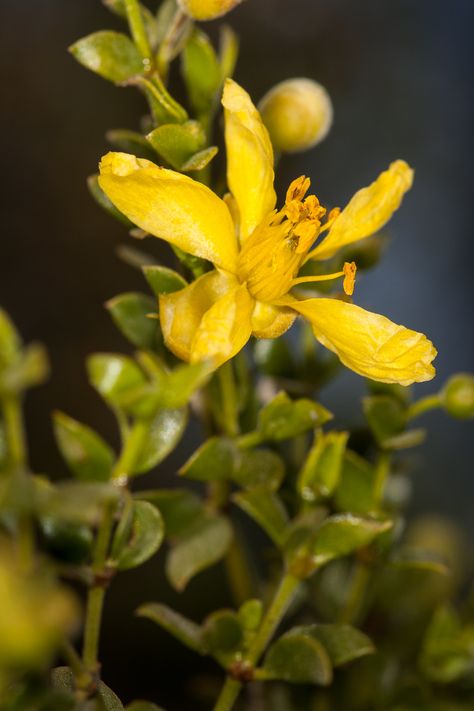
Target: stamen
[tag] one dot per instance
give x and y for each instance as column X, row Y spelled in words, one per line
column 298, row 189
column 348, row 272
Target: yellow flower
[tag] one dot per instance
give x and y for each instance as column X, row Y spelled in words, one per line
column 207, row 9
column 257, row 252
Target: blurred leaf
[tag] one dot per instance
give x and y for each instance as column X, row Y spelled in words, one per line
column 163, row 280
column 146, row 536
column 212, row 461
column 88, row 456
column 30, row 369
column 179, row 508
column 283, row 418
column 77, row 502
column 250, row 614
column 386, row 416
column 103, row 201
column 70, row 543
column 113, row 375
column 273, row 356
column 343, row 643
column 228, row 52
column 165, row 431
column 110, row 54
column 322, row 468
column 200, row 547
column 419, row 559
column 222, row 634
column 405, row 440
column 355, row 491
column 130, row 142
column 267, row 509
column 201, row 71
column 343, row 534
column 63, row 678
column 298, row 659
column 130, row 313
column 402, row 393
column 10, row 342
column 199, row 160
column 188, row 632
column 177, row 143
column 448, row 648
column 258, row 469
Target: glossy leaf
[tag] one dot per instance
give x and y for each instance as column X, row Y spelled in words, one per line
column 88, row 456
column 131, row 314
column 177, row 143
column 163, row 280
column 67, row 542
column 267, row 509
column 199, row 548
column 213, row 460
column 188, row 632
column 343, row 534
column 165, row 431
column 179, row 508
column 201, row 71
column 146, row 536
column 258, row 469
column 355, row 491
column 110, row 54
column 113, row 375
column 322, row 469
column 103, row 201
column 343, row 643
column 298, row 659
column 284, row 418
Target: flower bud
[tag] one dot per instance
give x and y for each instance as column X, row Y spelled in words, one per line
column 297, row 113
column 457, row 396
column 207, row 9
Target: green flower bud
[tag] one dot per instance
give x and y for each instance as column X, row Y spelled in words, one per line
column 207, row 9
column 457, row 396
column 297, row 113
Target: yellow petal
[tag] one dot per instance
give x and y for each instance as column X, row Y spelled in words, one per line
column 368, row 210
column 270, row 321
column 182, row 311
column 368, row 343
column 171, row 206
column 249, row 158
column 225, row 328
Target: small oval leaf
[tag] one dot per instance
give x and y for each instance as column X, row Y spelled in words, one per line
column 85, row 452
column 298, row 659
column 110, row 54
column 146, row 536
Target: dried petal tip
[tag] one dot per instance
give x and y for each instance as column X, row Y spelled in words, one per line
column 297, row 113
column 207, row 9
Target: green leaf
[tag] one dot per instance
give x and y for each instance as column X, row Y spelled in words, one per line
column 343, row 643
column 179, row 508
column 30, row 369
column 10, row 342
column 258, row 469
column 273, row 356
column 419, row 559
column 75, row 502
column 355, row 491
column 250, row 614
column 200, row 547
column 112, row 375
column 110, row 54
column 130, row 142
column 147, row 536
column 298, row 659
column 284, row 418
column 188, row 632
column 177, row 143
column 165, row 431
column 131, row 314
column 163, row 280
column 448, row 648
column 343, row 534
column 162, row 105
column 63, row 678
column 267, row 509
column 322, row 469
column 68, row 542
column 200, row 159
column 213, row 461
column 405, row 440
column 103, row 201
column 201, row 71
column 88, row 456
column 228, row 52
column 386, row 416
column 222, row 634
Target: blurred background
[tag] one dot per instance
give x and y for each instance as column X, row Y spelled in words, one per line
column 400, row 76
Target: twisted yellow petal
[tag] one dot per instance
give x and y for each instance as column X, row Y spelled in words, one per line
column 250, row 173
column 368, row 210
column 171, row 206
column 270, row 321
column 181, row 312
column 369, row 344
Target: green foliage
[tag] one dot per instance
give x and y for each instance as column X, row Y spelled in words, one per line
column 110, row 54
column 201, row 71
column 134, row 315
column 283, row 418
column 146, row 535
column 163, row 280
column 299, row 659
column 85, row 452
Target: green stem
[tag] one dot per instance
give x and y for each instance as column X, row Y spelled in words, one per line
column 95, row 599
column 381, row 473
column 138, row 32
column 131, row 451
column 14, row 431
column 275, row 613
column 431, row 402
column 228, row 390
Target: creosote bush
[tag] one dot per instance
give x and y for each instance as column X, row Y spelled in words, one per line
column 355, row 607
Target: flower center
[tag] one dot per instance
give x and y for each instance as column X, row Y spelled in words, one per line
column 272, row 255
